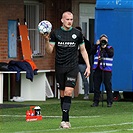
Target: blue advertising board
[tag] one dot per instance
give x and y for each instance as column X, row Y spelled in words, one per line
column 115, row 19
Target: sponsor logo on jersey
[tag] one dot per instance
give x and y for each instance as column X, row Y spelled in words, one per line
column 66, row 44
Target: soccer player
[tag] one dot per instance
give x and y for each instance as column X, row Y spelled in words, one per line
column 66, row 40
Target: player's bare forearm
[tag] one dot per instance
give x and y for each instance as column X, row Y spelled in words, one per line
column 48, row 47
column 85, row 55
column 87, row 71
column 86, row 59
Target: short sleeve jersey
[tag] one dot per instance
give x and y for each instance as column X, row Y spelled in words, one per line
column 66, row 46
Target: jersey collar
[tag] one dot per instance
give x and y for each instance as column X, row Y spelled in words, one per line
column 66, row 30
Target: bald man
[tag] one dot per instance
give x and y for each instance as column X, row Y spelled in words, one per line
column 66, row 40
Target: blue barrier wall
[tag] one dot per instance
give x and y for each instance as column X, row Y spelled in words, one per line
column 115, row 19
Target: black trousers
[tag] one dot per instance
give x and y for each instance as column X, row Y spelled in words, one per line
column 100, row 76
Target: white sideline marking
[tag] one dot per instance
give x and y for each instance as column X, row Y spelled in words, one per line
column 50, row 116
column 81, row 127
column 40, row 131
column 108, row 125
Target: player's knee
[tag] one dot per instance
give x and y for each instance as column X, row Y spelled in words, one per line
column 68, row 93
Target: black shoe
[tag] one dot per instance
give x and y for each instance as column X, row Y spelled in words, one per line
column 94, row 105
column 109, row 105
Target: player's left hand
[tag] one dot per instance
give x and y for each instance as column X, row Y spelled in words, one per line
column 87, row 72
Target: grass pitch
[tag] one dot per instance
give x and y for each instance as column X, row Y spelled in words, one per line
column 83, row 118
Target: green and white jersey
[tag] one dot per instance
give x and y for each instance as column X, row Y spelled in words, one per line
column 66, row 46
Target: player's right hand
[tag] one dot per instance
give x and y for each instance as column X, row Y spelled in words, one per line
column 46, row 36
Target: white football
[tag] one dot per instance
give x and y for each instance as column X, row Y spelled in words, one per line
column 44, row 27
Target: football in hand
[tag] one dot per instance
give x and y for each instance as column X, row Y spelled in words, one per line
column 44, row 27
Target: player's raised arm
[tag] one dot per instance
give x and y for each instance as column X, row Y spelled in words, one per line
column 48, row 47
column 45, row 28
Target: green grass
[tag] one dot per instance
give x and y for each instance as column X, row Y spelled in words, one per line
column 83, row 118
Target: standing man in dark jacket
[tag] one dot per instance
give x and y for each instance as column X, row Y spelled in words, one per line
column 82, row 66
column 102, row 67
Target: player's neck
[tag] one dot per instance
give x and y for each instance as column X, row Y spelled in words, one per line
column 65, row 28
